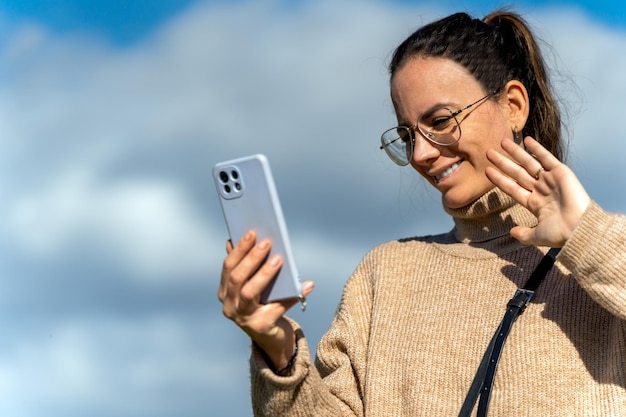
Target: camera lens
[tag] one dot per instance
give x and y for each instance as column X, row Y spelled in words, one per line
column 237, row 186
column 234, row 174
column 227, row 189
column 223, row 177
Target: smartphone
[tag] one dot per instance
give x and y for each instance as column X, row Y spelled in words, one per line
column 249, row 201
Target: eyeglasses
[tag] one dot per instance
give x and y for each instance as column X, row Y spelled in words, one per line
column 439, row 125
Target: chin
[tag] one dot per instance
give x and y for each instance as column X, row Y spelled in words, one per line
column 460, row 200
column 454, row 205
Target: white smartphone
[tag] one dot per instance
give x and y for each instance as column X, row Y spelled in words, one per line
column 249, row 200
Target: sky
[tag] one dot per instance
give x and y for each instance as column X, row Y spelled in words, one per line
column 112, row 115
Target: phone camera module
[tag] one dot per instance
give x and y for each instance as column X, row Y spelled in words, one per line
column 230, row 182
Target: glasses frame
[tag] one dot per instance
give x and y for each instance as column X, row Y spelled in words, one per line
column 427, row 135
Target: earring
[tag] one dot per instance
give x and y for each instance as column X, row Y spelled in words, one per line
column 517, row 136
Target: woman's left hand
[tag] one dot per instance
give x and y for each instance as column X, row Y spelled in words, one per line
column 542, row 184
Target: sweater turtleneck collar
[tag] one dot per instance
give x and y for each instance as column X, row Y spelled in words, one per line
column 490, row 217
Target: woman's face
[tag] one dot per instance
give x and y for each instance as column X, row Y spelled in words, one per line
column 457, row 171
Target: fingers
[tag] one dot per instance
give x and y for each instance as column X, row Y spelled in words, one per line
column 235, row 253
column 523, row 168
column 524, row 235
column 541, row 154
column 529, row 166
column 307, row 288
column 249, row 287
column 246, row 272
column 545, row 186
column 282, row 306
column 509, row 176
column 245, row 264
column 234, row 257
column 247, row 267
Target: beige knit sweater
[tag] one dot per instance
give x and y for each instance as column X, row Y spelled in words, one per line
column 417, row 314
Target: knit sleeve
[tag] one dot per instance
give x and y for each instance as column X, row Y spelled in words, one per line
column 331, row 387
column 596, row 256
column 302, row 394
column 342, row 352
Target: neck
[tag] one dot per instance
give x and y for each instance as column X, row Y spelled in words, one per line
column 490, row 217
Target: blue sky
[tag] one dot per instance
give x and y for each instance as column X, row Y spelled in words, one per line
column 113, row 114
column 121, row 22
column 124, row 22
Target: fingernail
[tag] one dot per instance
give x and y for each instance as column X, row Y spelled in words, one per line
column 247, row 236
column 263, row 244
column 274, row 260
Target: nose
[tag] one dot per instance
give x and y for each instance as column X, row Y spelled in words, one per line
column 424, row 151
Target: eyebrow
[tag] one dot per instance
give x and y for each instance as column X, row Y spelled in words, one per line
column 428, row 112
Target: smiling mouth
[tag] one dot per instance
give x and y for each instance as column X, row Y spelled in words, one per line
column 448, row 171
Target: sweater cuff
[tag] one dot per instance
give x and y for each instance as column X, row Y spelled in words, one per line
column 588, row 243
column 260, row 369
column 594, row 254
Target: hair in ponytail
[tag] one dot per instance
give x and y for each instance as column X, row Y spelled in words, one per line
column 495, row 50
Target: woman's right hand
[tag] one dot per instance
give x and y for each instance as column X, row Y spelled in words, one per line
column 245, row 273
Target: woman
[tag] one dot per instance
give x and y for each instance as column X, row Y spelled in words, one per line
column 418, row 314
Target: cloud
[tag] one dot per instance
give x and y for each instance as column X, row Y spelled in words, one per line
column 144, row 225
column 105, row 161
column 154, row 366
column 590, row 83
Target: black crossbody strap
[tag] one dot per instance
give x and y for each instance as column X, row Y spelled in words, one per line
column 483, row 380
column 477, row 383
column 541, row 270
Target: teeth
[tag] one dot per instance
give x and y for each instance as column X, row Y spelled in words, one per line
column 447, row 171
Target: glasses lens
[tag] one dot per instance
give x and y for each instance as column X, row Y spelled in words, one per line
column 398, row 144
column 440, row 127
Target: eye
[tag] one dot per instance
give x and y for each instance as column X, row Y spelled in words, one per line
column 441, row 123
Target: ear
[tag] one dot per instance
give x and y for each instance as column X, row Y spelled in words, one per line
column 515, row 103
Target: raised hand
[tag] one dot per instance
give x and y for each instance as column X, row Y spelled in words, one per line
column 542, row 184
column 246, row 272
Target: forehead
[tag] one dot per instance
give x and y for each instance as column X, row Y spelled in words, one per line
column 422, row 83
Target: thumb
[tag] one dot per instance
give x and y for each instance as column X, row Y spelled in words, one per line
column 307, row 287
column 526, row 235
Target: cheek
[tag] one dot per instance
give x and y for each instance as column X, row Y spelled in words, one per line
column 489, row 137
column 498, row 130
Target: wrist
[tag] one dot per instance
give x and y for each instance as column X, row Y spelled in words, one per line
column 281, row 364
column 288, row 368
column 279, row 352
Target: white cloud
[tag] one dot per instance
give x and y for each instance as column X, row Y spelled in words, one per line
column 148, row 225
column 108, row 367
column 589, row 68
column 109, row 152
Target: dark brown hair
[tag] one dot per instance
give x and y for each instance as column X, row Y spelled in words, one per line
column 495, row 50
